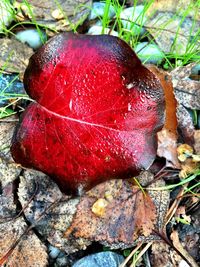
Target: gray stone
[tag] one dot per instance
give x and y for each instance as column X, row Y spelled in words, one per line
column 101, row 259
column 9, row 86
column 132, row 16
column 96, row 30
column 32, row 37
column 6, row 14
column 98, row 10
column 149, row 53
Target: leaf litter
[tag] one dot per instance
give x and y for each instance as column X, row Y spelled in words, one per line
column 58, row 236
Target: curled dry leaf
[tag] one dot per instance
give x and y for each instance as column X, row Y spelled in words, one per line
column 90, row 92
column 167, row 137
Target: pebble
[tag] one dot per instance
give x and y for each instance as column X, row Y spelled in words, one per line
column 149, row 53
column 32, row 37
column 6, row 14
column 98, row 10
column 96, row 30
column 101, row 259
column 134, row 14
column 196, row 70
column 53, row 252
column 9, row 84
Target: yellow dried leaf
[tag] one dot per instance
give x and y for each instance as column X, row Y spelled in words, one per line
column 99, row 207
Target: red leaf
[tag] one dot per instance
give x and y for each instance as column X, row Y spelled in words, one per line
column 96, row 113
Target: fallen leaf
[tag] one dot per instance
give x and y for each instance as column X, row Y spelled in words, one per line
column 52, row 214
column 18, row 246
column 49, row 210
column 90, row 92
column 131, row 213
column 29, row 251
column 14, row 55
column 185, row 126
column 187, row 91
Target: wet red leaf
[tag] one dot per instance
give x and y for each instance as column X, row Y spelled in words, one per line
column 95, row 115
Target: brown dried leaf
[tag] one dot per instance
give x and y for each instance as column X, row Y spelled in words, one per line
column 129, row 213
column 187, row 91
column 29, row 251
column 14, row 55
column 59, row 211
column 49, row 210
column 185, row 125
column 167, row 145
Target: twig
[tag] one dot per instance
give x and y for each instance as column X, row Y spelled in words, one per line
column 123, row 264
column 141, row 253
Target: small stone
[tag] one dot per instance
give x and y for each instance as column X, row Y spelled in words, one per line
column 196, row 70
column 62, row 261
column 98, row 10
column 136, row 16
column 149, row 53
column 57, row 14
column 96, row 30
column 53, row 252
column 6, row 14
column 32, row 37
column 101, row 259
